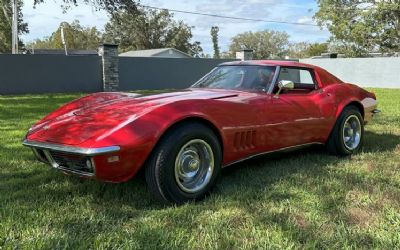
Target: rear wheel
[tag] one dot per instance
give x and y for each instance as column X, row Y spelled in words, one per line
column 185, row 164
column 348, row 134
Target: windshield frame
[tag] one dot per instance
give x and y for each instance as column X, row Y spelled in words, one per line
column 265, row 90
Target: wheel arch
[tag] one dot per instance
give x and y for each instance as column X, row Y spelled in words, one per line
column 334, row 145
column 196, row 119
column 355, row 103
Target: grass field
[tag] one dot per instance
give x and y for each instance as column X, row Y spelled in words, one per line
column 303, row 199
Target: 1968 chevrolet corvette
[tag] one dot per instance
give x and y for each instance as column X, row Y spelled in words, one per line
column 183, row 138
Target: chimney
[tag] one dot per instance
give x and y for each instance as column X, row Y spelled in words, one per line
column 245, row 54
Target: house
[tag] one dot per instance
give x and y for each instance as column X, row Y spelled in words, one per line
column 71, row 52
column 165, row 52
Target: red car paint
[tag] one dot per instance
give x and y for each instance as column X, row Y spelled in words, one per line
column 247, row 122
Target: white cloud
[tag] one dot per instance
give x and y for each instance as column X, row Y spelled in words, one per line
column 46, row 17
column 305, row 20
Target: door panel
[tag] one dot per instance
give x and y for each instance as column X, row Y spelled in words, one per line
column 298, row 118
column 267, row 123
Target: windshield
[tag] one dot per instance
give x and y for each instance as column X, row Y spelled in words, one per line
column 251, row 77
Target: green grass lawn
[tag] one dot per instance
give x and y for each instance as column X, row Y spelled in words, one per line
column 303, row 199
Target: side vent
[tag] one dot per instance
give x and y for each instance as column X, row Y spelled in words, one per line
column 245, row 140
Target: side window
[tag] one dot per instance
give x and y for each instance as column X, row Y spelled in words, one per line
column 302, row 78
column 306, row 77
column 299, row 76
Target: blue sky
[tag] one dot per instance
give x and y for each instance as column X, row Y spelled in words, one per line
column 45, row 18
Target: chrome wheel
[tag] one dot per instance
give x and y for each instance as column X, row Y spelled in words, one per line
column 352, row 132
column 194, row 166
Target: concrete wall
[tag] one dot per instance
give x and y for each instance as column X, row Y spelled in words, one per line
column 21, row 74
column 162, row 73
column 24, row 74
column 365, row 72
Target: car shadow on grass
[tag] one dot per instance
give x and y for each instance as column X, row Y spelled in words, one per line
column 262, row 182
column 280, row 164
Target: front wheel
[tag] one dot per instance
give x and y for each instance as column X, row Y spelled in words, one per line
column 348, row 134
column 185, row 164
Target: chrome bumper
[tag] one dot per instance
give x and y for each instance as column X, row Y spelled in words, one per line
column 71, row 149
column 375, row 111
column 50, row 154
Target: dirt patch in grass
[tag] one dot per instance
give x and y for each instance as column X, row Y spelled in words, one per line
column 301, row 221
column 361, row 217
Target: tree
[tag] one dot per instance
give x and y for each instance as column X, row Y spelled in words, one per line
column 75, row 35
column 298, row 50
column 305, row 49
column 6, row 22
column 196, row 50
column 227, row 55
column 361, row 26
column 214, row 38
column 150, row 29
column 316, row 49
column 266, row 44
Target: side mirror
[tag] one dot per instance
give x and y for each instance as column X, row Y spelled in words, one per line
column 282, row 85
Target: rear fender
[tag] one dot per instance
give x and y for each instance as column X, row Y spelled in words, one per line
column 346, row 103
column 341, row 106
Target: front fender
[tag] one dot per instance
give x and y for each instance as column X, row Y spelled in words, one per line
column 166, row 117
column 138, row 138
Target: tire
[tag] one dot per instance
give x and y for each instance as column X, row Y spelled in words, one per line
column 343, row 140
column 185, row 149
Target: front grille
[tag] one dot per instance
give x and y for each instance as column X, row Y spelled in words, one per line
column 72, row 162
column 40, row 155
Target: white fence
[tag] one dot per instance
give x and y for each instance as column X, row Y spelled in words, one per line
column 366, row 72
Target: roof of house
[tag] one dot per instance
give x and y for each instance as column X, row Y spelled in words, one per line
column 62, row 52
column 153, row 52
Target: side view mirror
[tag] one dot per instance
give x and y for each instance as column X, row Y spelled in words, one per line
column 284, row 85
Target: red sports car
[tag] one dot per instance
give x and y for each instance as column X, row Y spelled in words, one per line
column 183, row 138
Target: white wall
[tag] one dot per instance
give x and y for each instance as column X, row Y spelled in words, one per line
column 366, row 72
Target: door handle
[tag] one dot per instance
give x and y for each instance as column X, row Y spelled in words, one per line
column 321, row 91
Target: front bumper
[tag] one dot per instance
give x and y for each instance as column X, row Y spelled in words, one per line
column 75, row 160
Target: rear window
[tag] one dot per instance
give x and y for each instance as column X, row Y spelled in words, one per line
column 327, row 78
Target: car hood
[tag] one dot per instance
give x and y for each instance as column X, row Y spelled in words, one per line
column 118, row 104
column 96, row 114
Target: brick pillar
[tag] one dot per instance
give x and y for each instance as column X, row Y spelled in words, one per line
column 245, row 54
column 109, row 61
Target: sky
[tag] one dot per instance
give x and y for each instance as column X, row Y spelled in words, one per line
column 45, row 18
